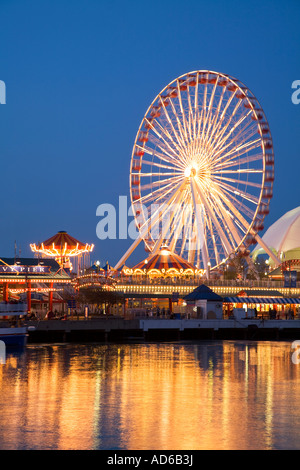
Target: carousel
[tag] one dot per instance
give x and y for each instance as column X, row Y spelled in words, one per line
column 63, row 247
column 165, row 264
column 97, row 276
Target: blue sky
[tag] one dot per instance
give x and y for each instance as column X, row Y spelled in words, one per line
column 79, row 78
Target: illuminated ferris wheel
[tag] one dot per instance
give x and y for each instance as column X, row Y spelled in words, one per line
column 202, row 169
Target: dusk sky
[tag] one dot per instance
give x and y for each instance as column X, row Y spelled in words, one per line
column 79, row 78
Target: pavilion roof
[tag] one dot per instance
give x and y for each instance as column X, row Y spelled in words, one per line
column 203, row 292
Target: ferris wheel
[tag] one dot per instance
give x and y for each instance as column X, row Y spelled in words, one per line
column 202, row 169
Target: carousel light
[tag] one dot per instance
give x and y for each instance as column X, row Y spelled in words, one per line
column 61, row 246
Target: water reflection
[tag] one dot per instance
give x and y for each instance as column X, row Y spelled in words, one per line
column 210, row 395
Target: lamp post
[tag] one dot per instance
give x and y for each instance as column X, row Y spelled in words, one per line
column 208, row 270
column 224, row 268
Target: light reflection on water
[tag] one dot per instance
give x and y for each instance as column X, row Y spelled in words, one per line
column 174, row 396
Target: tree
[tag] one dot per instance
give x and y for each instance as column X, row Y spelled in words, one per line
column 241, row 266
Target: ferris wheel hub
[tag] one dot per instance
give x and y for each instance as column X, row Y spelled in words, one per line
column 190, row 172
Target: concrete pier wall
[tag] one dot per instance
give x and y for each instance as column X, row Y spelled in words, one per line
column 103, row 330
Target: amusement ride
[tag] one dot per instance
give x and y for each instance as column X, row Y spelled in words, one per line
column 63, row 247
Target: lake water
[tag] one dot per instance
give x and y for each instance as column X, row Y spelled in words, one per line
column 167, row 396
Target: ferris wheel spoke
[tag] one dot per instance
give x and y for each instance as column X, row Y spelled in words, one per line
column 235, row 160
column 165, row 132
column 192, row 115
column 212, row 216
column 183, row 137
column 182, row 154
column 161, row 156
column 243, row 209
column 189, row 113
column 237, row 192
column 239, row 162
column 237, row 125
column 242, row 136
column 226, row 226
column 186, row 232
column 167, row 222
column 198, row 208
column 213, row 122
column 161, row 182
column 208, row 114
column 237, row 224
column 173, row 173
column 164, row 145
column 222, row 127
column 202, row 116
column 228, row 218
column 239, row 171
column 179, row 223
column 239, row 181
column 183, row 114
column 165, row 156
column 160, row 165
column 146, row 227
column 230, row 199
column 195, row 108
column 220, row 123
column 158, row 140
column 155, row 194
column 240, row 221
column 216, row 251
column 209, row 117
column 194, row 242
column 164, row 206
column 236, row 152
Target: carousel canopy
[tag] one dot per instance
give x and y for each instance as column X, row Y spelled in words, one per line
column 165, row 261
column 62, row 244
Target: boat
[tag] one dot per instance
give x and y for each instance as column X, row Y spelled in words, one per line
column 12, row 332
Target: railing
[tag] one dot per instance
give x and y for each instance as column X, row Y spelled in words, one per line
column 269, row 284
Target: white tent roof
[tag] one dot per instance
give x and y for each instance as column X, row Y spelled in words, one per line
column 284, row 234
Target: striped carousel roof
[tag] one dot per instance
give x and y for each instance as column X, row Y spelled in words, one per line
column 61, row 244
column 262, row 300
column 164, row 259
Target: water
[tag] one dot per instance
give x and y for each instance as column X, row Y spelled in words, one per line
column 174, row 396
